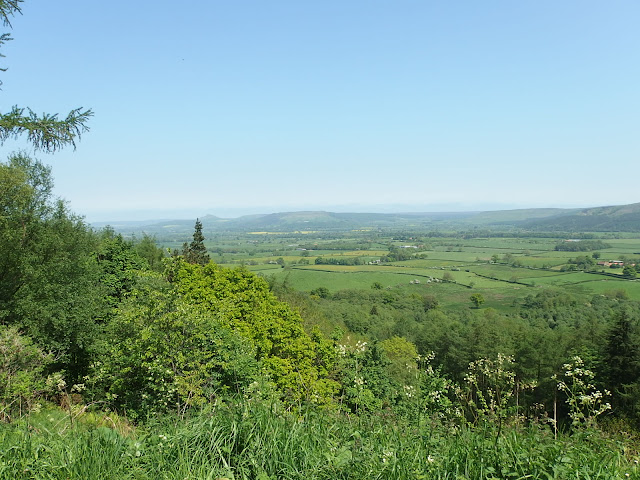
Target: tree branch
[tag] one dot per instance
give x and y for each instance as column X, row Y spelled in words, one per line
column 47, row 132
column 8, row 8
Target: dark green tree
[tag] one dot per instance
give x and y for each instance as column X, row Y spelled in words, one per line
column 429, row 302
column 49, row 278
column 622, row 364
column 45, row 132
column 322, row 292
column 195, row 252
column 150, row 251
column 119, row 263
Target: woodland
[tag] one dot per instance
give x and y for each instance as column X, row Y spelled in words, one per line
column 122, row 358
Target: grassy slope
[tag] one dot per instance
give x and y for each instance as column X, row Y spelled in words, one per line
column 254, row 441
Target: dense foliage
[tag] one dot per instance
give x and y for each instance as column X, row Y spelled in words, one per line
column 105, row 326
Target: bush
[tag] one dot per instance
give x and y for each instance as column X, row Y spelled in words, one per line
column 22, row 367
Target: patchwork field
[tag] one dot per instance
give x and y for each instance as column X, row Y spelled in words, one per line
column 502, row 269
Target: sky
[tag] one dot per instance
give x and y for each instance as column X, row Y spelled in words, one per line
column 254, row 106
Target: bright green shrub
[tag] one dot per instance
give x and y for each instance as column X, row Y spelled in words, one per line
column 21, row 372
column 162, row 354
column 242, row 302
column 210, row 333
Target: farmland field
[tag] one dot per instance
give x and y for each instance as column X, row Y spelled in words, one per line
column 503, row 269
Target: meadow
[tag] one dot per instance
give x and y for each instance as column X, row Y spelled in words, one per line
column 503, row 269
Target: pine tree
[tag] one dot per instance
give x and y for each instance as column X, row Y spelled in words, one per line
column 622, row 364
column 196, row 252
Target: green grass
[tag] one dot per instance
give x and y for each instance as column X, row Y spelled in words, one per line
column 335, row 279
column 452, row 255
column 500, row 284
column 262, row 442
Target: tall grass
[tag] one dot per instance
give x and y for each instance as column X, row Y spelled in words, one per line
column 255, row 441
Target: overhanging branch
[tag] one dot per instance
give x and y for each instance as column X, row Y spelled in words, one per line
column 46, row 132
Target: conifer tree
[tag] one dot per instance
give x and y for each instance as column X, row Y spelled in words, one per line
column 622, row 364
column 196, row 252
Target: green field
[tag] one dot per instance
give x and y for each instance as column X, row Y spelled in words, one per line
column 501, row 268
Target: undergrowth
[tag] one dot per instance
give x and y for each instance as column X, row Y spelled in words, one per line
column 262, row 442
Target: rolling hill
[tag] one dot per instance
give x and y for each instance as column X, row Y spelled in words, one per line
column 618, row 218
column 624, row 218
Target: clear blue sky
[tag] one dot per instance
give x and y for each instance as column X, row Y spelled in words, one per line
column 231, row 107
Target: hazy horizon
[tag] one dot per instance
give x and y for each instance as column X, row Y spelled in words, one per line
column 231, row 212
column 218, row 107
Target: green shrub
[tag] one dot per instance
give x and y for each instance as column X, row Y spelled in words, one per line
column 22, row 378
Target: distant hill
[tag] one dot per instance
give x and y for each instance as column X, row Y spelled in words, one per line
column 625, row 218
column 513, row 217
column 618, row 218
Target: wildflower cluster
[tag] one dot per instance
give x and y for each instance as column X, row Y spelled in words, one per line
column 585, row 401
column 434, row 391
column 490, row 386
column 359, row 348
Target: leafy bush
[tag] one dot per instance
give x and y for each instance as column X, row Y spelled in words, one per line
column 22, row 367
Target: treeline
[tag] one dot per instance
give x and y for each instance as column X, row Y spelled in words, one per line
column 338, row 245
column 505, row 233
column 581, row 246
column 403, row 253
column 546, row 331
column 339, row 261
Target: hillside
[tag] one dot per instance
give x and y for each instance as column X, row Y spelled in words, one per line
column 625, row 218
column 618, row 218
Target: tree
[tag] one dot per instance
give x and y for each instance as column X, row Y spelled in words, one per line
column 49, row 278
column 621, row 363
column 119, row 263
column 429, row 302
column 477, row 299
column 161, row 353
column 402, row 355
column 322, row 292
column 22, row 376
column 46, row 132
column 196, row 252
column 148, row 250
column 629, row 271
column 243, row 302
